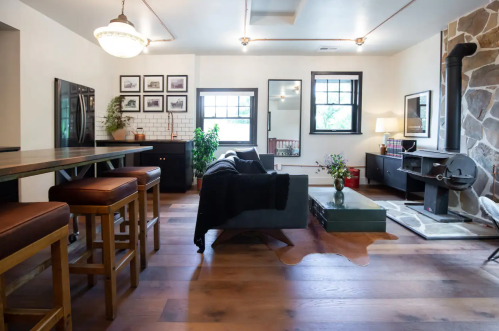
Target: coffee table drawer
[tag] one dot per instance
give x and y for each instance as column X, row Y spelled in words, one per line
column 348, row 226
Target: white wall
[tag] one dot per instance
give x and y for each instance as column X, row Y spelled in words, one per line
column 254, row 71
column 10, row 88
column 155, row 124
column 49, row 50
column 417, row 69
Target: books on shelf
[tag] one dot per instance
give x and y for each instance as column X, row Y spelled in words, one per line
column 395, row 147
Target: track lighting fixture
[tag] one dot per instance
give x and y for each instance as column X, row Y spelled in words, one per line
column 358, row 41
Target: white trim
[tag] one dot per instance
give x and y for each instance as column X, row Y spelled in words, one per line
column 237, row 93
column 323, row 77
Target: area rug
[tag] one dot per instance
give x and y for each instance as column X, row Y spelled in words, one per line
column 315, row 240
column 432, row 230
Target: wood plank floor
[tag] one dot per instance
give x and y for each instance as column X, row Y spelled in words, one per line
column 410, row 284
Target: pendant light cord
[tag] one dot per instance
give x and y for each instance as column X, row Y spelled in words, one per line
column 123, row 7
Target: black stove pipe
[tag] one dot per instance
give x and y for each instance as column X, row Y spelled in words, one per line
column 453, row 91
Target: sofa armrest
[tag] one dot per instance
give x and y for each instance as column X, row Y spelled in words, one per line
column 267, row 161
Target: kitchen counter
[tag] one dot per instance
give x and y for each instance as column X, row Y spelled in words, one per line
column 130, row 141
column 9, row 149
column 174, row 157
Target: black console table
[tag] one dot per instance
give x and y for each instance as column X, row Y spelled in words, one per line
column 174, row 157
column 383, row 169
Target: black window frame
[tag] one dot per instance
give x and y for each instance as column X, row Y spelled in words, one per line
column 253, row 114
column 356, row 104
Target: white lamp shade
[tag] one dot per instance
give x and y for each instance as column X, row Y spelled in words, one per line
column 121, row 40
column 390, row 124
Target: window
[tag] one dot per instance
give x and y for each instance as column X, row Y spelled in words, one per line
column 336, row 102
column 234, row 110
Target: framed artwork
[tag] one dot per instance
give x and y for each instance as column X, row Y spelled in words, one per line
column 176, row 103
column 176, row 83
column 417, row 115
column 129, row 84
column 154, row 83
column 154, row 103
column 131, row 103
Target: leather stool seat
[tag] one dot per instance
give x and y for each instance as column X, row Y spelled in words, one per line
column 144, row 175
column 25, row 223
column 93, row 191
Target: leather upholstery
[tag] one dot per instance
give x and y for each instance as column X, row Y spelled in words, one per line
column 144, row 175
column 93, row 191
column 22, row 224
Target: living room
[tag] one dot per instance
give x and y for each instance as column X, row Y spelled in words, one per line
column 353, row 165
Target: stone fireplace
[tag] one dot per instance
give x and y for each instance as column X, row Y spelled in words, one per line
column 480, row 103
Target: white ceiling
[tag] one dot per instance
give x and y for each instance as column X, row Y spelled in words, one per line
column 214, row 27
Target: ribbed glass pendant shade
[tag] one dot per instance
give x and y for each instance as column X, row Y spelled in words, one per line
column 121, row 39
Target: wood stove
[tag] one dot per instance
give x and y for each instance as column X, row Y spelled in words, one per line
column 445, row 170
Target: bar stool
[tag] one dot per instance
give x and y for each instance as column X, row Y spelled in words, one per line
column 102, row 197
column 147, row 177
column 26, row 229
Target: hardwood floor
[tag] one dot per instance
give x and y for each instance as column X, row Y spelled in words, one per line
column 410, row 284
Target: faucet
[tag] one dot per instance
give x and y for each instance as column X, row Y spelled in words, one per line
column 172, row 135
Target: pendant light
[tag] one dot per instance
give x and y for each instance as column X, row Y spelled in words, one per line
column 120, row 38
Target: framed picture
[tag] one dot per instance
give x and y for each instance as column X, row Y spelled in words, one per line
column 129, row 84
column 176, row 103
column 154, row 103
column 417, row 115
column 154, row 83
column 131, row 103
column 176, row 83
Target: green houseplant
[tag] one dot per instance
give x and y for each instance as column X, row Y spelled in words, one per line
column 336, row 166
column 205, row 145
column 115, row 122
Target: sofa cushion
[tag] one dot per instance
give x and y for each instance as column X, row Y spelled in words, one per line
column 248, row 154
column 249, row 166
column 230, row 153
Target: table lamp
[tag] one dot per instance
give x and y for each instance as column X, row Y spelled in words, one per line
column 387, row 126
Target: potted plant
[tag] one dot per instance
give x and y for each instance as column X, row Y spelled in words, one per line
column 115, row 122
column 336, row 166
column 205, row 145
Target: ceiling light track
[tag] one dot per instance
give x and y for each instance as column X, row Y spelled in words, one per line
column 358, row 41
column 162, row 23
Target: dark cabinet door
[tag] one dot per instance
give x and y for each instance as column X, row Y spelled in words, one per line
column 374, row 167
column 394, row 177
column 172, row 170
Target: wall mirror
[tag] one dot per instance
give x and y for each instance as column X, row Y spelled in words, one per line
column 284, row 117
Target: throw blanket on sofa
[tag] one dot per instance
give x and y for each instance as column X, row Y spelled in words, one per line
column 226, row 193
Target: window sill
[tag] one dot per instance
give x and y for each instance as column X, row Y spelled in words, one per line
column 333, row 133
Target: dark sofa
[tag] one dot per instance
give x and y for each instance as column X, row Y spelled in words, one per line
column 271, row 221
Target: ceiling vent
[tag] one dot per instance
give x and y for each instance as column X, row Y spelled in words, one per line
column 327, row 49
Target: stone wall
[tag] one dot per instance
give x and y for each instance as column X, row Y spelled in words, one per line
column 480, row 109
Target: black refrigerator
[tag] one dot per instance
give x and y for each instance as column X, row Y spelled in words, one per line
column 74, row 118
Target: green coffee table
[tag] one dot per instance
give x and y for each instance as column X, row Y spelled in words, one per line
column 345, row 211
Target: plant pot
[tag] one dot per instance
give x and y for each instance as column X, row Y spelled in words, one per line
column 339, row 184
column 200, row 183
column 119, row 134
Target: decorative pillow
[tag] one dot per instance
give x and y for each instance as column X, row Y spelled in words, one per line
column 248, row 154
column 249, row 166
column 230, row 153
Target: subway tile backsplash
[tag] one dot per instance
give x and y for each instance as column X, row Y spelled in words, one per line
column 155, row 126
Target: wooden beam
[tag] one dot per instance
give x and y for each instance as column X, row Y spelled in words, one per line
column 86, row 269
column 123, row 262
column 16, row 315
column 50, row 320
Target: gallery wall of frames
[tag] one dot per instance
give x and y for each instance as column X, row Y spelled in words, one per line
column 147, row 93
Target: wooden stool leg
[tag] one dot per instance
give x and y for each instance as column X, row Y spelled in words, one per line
column 143, row 227
column 60, row 282
column 109, row 252
column 123, row 214
column 90, row 236
column 3, row 303
column 134, row 244
column 156, row 213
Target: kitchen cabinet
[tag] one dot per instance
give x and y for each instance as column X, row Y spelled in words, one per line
column 173, row 157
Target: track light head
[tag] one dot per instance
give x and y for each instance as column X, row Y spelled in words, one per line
column 245, row 41
column 360, row 41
